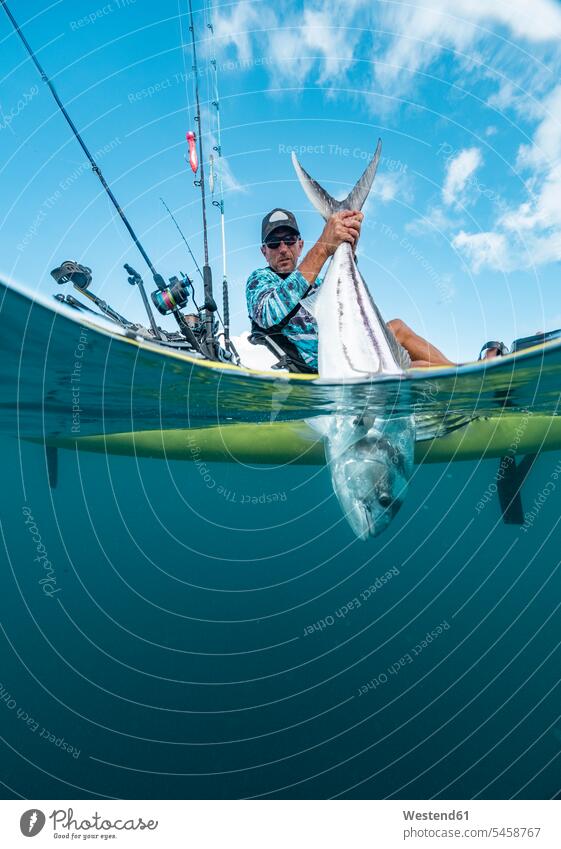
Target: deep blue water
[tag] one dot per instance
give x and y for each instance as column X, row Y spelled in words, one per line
column 173, row 645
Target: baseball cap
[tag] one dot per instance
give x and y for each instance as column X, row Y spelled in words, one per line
column 277, row 218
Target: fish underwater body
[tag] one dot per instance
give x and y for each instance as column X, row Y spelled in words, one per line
column 370, row 456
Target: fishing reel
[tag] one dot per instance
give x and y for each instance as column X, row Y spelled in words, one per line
column 72, row 272
column 173, row 297
column 196, row 323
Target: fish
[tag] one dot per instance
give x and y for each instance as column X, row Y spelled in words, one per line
column 370, row 457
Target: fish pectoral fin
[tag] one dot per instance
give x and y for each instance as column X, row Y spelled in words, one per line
column 433, row 426
column 321, row 424
column 401, row 355
column 310, row 304
column 341, row 432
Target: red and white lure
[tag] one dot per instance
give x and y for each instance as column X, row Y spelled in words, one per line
column 193, row 158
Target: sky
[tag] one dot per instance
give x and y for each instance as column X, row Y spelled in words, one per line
column 462, row 234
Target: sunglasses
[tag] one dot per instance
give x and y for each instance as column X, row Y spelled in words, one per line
column 289, row 241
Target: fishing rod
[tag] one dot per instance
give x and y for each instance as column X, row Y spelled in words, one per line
column 220, row 204
column 158, row 279
column 210, row 304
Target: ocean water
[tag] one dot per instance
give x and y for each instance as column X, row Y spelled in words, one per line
column 169, row 632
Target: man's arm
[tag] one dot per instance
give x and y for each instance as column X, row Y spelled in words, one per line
column 341, row 227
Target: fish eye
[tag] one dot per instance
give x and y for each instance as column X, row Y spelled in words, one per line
column 385, row 499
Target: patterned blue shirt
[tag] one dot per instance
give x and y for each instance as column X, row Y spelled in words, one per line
column 270, row 297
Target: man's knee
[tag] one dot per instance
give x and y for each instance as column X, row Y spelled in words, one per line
column 399, row 329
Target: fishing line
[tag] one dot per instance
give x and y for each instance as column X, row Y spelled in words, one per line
column 183, row 237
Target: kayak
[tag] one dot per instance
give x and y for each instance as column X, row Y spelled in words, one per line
column 280, row 443
column 72, row 380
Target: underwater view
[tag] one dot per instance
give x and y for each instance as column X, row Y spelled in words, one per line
column 218, row 632
column 281, row 370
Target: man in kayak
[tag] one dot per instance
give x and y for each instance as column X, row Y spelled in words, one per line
column 276, row 294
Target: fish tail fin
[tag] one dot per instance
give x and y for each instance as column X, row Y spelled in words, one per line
column 357, row 198
column 324, row 202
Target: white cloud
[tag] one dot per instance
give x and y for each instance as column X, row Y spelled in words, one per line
column 235, row 28
column 289, row 62
column 546, row 145
column 295, row 43
column 507, row 96
column 532, row 229
column 542, row 212
column 421, row 30
column 387, row 187
column 229, row 179
column 222, row 167
column 460, row 169
column 435, row 221
column 322, row 41
column 319, row 35
column 484, row 249
column 537, row 21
